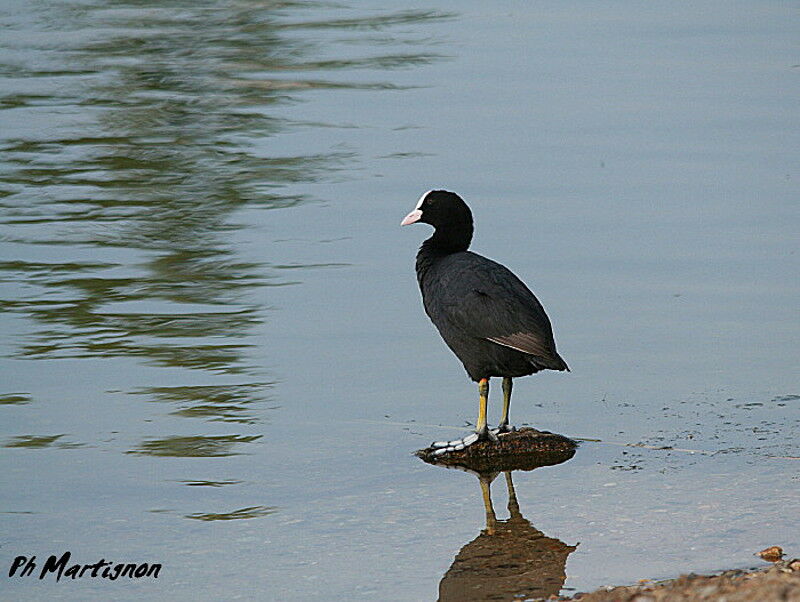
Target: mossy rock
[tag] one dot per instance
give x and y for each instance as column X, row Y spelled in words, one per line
column 523, row 449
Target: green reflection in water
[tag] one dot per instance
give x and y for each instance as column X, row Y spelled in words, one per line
column 154, row 140
column 242, row 513
column 33, row 441
column 224, row 403
column 129, row 142
column 14, row 398
column 194, row 447
column 211, row 483
column 372, row 22
column 41, row 441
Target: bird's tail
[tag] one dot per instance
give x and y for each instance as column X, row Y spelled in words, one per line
column 554, row 362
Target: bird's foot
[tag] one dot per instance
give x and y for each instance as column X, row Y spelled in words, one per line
column 445, row 447
column 503, row 428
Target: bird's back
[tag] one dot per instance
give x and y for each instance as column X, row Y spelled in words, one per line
column 478, row 304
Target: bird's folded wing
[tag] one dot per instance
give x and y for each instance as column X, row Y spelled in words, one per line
column 503, row 311
column 527, row 342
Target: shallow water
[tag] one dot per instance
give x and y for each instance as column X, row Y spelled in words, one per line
column 214, row 355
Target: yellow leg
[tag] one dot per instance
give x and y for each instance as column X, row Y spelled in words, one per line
column 506, row 403
column 491, row 517
column 513, row 505
column 482, row 432
column 483, row 392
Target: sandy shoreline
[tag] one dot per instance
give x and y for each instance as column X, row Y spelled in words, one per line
column 778, row 582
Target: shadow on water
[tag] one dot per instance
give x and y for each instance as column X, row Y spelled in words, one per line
column 510, row 559
column 130, row 141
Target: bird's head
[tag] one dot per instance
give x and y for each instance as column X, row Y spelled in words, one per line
column 440, row 208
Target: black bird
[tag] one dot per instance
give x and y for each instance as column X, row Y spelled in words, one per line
column 486, row 315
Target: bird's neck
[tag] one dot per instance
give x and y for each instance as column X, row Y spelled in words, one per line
column 445, row 241
column 453, row 238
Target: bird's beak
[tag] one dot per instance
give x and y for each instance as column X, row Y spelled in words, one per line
column 412, row 217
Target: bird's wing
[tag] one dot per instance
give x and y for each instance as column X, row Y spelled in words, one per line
column 486, row 300
column 526, row 342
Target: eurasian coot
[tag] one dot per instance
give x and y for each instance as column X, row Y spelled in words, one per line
column 486, row 315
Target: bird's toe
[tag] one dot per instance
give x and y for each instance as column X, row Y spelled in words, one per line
column 445, row 444
column 445, row 447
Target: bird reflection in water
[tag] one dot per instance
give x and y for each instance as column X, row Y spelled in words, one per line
column 510, row 559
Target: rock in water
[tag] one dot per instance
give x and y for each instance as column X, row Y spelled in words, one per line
column 523, row 449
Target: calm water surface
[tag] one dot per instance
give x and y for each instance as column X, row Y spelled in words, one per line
column 214, row 354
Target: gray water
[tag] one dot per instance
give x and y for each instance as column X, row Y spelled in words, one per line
column 214, row 355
